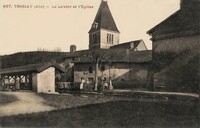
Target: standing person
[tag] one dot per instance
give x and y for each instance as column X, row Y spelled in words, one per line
column 82, row 84
column 105, row 85
column 17, row 83
column 110, row 84
column 82, row 87
column 87, row 84
column 101, row 85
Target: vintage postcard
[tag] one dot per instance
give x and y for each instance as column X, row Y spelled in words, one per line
column 100, row 63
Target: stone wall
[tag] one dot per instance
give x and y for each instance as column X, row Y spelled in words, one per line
column 124, row 75
column 94, row 43
column 46, row 80
column 177, row 44
column 176, row 63
column 34, row 82
column 103, row 38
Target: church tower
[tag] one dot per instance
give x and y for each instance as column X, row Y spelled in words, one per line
column 104, row 32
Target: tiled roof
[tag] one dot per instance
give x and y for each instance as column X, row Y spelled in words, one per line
column 116, row 55
column 104, row 19
column 126, row 45
column 185, row 19
column 31, row 68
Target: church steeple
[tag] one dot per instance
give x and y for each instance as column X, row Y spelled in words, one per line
column 104, row 32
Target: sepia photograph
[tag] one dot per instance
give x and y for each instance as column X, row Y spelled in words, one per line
column 100, row 63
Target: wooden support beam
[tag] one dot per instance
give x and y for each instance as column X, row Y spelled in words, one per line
column 26, row 80
column 15, row 79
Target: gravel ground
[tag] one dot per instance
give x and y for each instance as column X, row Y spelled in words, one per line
column 14, row 103
column 28, row 102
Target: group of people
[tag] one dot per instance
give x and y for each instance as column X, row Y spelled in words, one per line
column 103, row 84
column 106, row 84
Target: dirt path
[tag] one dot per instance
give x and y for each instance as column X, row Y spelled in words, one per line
column 28, row 102
column 161, row 93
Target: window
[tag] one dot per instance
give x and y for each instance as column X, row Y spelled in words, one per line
column 110, row 38
column 95, row 25
column 91, row 79
column 90, row 69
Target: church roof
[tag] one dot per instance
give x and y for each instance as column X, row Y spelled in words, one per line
column 128, row 45
column 104, row 19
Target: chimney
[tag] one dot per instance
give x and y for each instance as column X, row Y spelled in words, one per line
column 72, row 48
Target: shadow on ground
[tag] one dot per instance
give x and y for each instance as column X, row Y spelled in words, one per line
column 6, row 99
column 155, row 114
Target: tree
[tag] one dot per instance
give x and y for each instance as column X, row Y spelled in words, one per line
column 96, row 56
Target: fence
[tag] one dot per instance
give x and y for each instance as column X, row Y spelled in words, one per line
column 67, row 86
column 73, row 86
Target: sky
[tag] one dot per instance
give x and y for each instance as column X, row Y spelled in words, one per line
column 25, row 27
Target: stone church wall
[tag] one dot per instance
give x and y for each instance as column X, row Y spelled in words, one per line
column 103, row 39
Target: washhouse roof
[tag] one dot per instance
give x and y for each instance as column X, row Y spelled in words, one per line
column 30, row 68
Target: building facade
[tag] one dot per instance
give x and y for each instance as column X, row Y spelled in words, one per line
column 127, row 64
column 176, row 44
column 126, row 68
column 41, row 77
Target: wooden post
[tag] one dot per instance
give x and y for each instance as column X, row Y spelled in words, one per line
column 30, row 81
column 26, row 79
column 14, row 77
column 96, row 76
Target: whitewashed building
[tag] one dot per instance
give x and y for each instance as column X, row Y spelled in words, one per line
column 40, row 77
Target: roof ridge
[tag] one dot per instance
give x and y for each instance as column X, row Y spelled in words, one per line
column 172, row 15
column 104, row 19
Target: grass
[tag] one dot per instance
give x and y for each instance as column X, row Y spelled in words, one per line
column 127, row 113
column 6, row 99
column 75, row 100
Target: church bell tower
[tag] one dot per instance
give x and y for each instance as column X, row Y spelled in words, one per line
column 104, row 32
